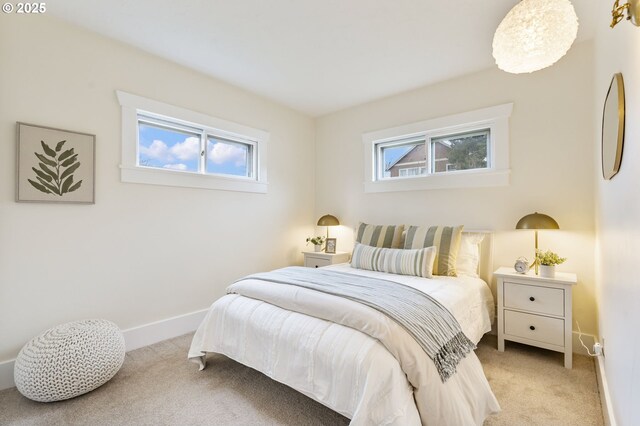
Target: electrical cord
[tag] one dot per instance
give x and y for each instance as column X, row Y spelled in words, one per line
column 581, row 342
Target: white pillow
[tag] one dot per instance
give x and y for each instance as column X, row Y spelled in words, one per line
column 469, row 254
column 417, row 262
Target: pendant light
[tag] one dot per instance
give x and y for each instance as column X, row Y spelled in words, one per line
column 535, row 34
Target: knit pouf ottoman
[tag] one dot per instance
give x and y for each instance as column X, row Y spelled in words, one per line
column 69, row 360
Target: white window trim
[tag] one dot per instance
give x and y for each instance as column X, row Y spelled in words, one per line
column 131, row 172
column 495, row 118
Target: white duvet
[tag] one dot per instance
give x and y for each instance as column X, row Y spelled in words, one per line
column 295, row 336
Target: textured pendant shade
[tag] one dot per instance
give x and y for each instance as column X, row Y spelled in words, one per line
column 535, row 34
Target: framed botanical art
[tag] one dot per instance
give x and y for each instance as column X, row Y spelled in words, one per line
column 331, row 245
column 54, row 165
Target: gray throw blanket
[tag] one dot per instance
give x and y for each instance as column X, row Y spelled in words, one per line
column 434, row 328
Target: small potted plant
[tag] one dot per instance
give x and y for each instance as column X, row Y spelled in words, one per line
column 548, row 261
column 317, row 242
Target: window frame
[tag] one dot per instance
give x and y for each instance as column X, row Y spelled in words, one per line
column 130, row 171
column 495, row 119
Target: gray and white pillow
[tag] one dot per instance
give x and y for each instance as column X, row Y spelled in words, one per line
column 395, row 261
column 445, row 238
column 388, row 236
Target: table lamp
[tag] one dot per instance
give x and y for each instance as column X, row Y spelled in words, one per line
column 537, row 221
column 328, row 220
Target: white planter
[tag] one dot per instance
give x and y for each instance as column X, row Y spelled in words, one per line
column 548, row 271
column 317, row 247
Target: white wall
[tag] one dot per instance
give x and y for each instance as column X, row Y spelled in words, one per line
column 551, row 157
column 141, row 253
column 618, row 222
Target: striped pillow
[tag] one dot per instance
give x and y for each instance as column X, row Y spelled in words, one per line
column 380, row 235
column 447, row 242
column 395, row 261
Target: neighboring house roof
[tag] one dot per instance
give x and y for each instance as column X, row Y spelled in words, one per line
column 446, row 143
column 401, row 157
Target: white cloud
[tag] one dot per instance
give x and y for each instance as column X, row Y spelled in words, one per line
column 178, row 166
column 221, row 153
column 186, row 150
column 157, row 150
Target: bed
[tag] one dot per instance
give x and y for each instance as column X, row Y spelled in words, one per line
column 351, row 357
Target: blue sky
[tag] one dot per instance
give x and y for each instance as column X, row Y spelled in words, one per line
column 172, row 149
column 392, row 154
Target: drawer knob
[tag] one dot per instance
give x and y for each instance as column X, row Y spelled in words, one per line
column 531, row 328
column 316, row 266
column 532, row 299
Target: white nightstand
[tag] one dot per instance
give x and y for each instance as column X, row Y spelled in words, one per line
column 318, row 259
column 535, row 311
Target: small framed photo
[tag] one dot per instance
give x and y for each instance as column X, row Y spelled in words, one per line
column 54, row 165
column 331, row 246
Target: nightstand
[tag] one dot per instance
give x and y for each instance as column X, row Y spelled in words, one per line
column 318, row 259
column 535, row 311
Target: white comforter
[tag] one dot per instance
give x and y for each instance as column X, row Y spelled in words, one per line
column 297, row 338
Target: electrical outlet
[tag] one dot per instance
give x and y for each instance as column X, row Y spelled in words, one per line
column 597, row 349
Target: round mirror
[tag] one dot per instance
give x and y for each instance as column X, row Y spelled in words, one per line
column 613, row 128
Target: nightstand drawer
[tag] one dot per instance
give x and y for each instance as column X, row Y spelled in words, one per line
column 534, row 327
column 316, row 262
column 536, row 299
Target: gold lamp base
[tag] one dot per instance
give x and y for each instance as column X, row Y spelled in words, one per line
column 535, row 255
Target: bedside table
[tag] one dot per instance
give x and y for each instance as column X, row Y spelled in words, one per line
column 536, row 311
column 318, row 259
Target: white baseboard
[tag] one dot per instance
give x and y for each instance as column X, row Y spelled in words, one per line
column 148, row 334
column 6, row 374
column 136, row 337
column 605, row 397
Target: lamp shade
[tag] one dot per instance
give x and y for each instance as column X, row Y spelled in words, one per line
column 534, row 35
column 328, row 220
column 537, row 221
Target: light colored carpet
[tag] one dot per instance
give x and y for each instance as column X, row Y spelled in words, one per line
column 158, row 386
column 534, row 388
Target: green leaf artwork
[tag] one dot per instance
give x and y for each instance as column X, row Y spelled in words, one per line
column 55, row 175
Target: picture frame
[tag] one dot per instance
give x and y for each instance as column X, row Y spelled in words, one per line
column 54, row 165
column 330, row 246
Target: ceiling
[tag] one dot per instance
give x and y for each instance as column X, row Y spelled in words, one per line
column 315, row 56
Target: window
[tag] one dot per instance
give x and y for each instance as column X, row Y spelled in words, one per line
column 167, row 145
column 466, row 151
column 401, row 158
column 463, row 150
column 164, row 143
column 229, row 157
